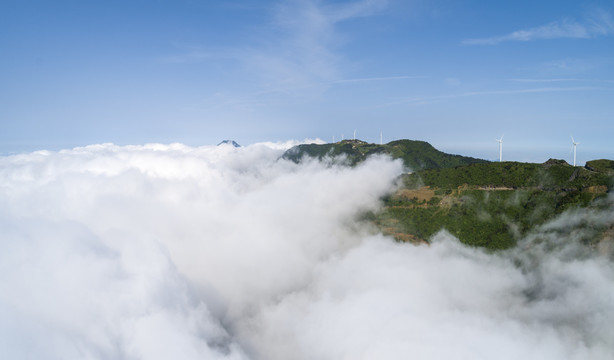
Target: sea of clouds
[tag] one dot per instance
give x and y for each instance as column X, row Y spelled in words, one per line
column 178, row 252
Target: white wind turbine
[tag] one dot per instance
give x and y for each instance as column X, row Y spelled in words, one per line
column 500, row 141
column 354, row 134
column 573, row 145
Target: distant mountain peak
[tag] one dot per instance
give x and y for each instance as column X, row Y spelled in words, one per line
column 229, row 142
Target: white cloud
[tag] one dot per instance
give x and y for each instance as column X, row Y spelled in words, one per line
column 170, row 251
column 146, row 251
column 597, row 24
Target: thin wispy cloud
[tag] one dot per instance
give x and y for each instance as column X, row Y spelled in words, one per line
column 219, row 101
column 561, row 80
column 296, row 52
column 597, row 24
column 422, row 100
column 543, row 80
column 306, row 49
column 384, row 78
column 525, row 91
column 199, row 55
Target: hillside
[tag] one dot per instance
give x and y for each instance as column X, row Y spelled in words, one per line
column 416, row 155
column 486, row 204
column 493, row 205
column 553, row 174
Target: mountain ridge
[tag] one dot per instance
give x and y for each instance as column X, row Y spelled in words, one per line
column 415, row 154
column 229, row 142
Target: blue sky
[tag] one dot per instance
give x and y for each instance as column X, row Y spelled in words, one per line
column 457, row 74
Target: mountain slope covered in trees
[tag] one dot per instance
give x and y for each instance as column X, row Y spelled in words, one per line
column 486, row 204
column 493, row 205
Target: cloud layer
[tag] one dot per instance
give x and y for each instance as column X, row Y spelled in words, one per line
column 598, row 24
column 169, row 251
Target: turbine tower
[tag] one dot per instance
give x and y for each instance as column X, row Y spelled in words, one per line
column 500, row 141
column 354, row 134
column 573, row 144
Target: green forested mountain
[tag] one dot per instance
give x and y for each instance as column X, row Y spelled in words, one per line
column 493, row 205
column 486, row 204
column 416, row 155
column 553, row 174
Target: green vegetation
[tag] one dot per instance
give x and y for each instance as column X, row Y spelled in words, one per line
column 602, row 165
column 416, row 155
column 490, row 205
column 551, row 175
column 486, row 204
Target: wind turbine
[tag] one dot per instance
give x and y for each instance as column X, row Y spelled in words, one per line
column 500, row 141
column 354, row 134
column 333, row 139
column 573, row 144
